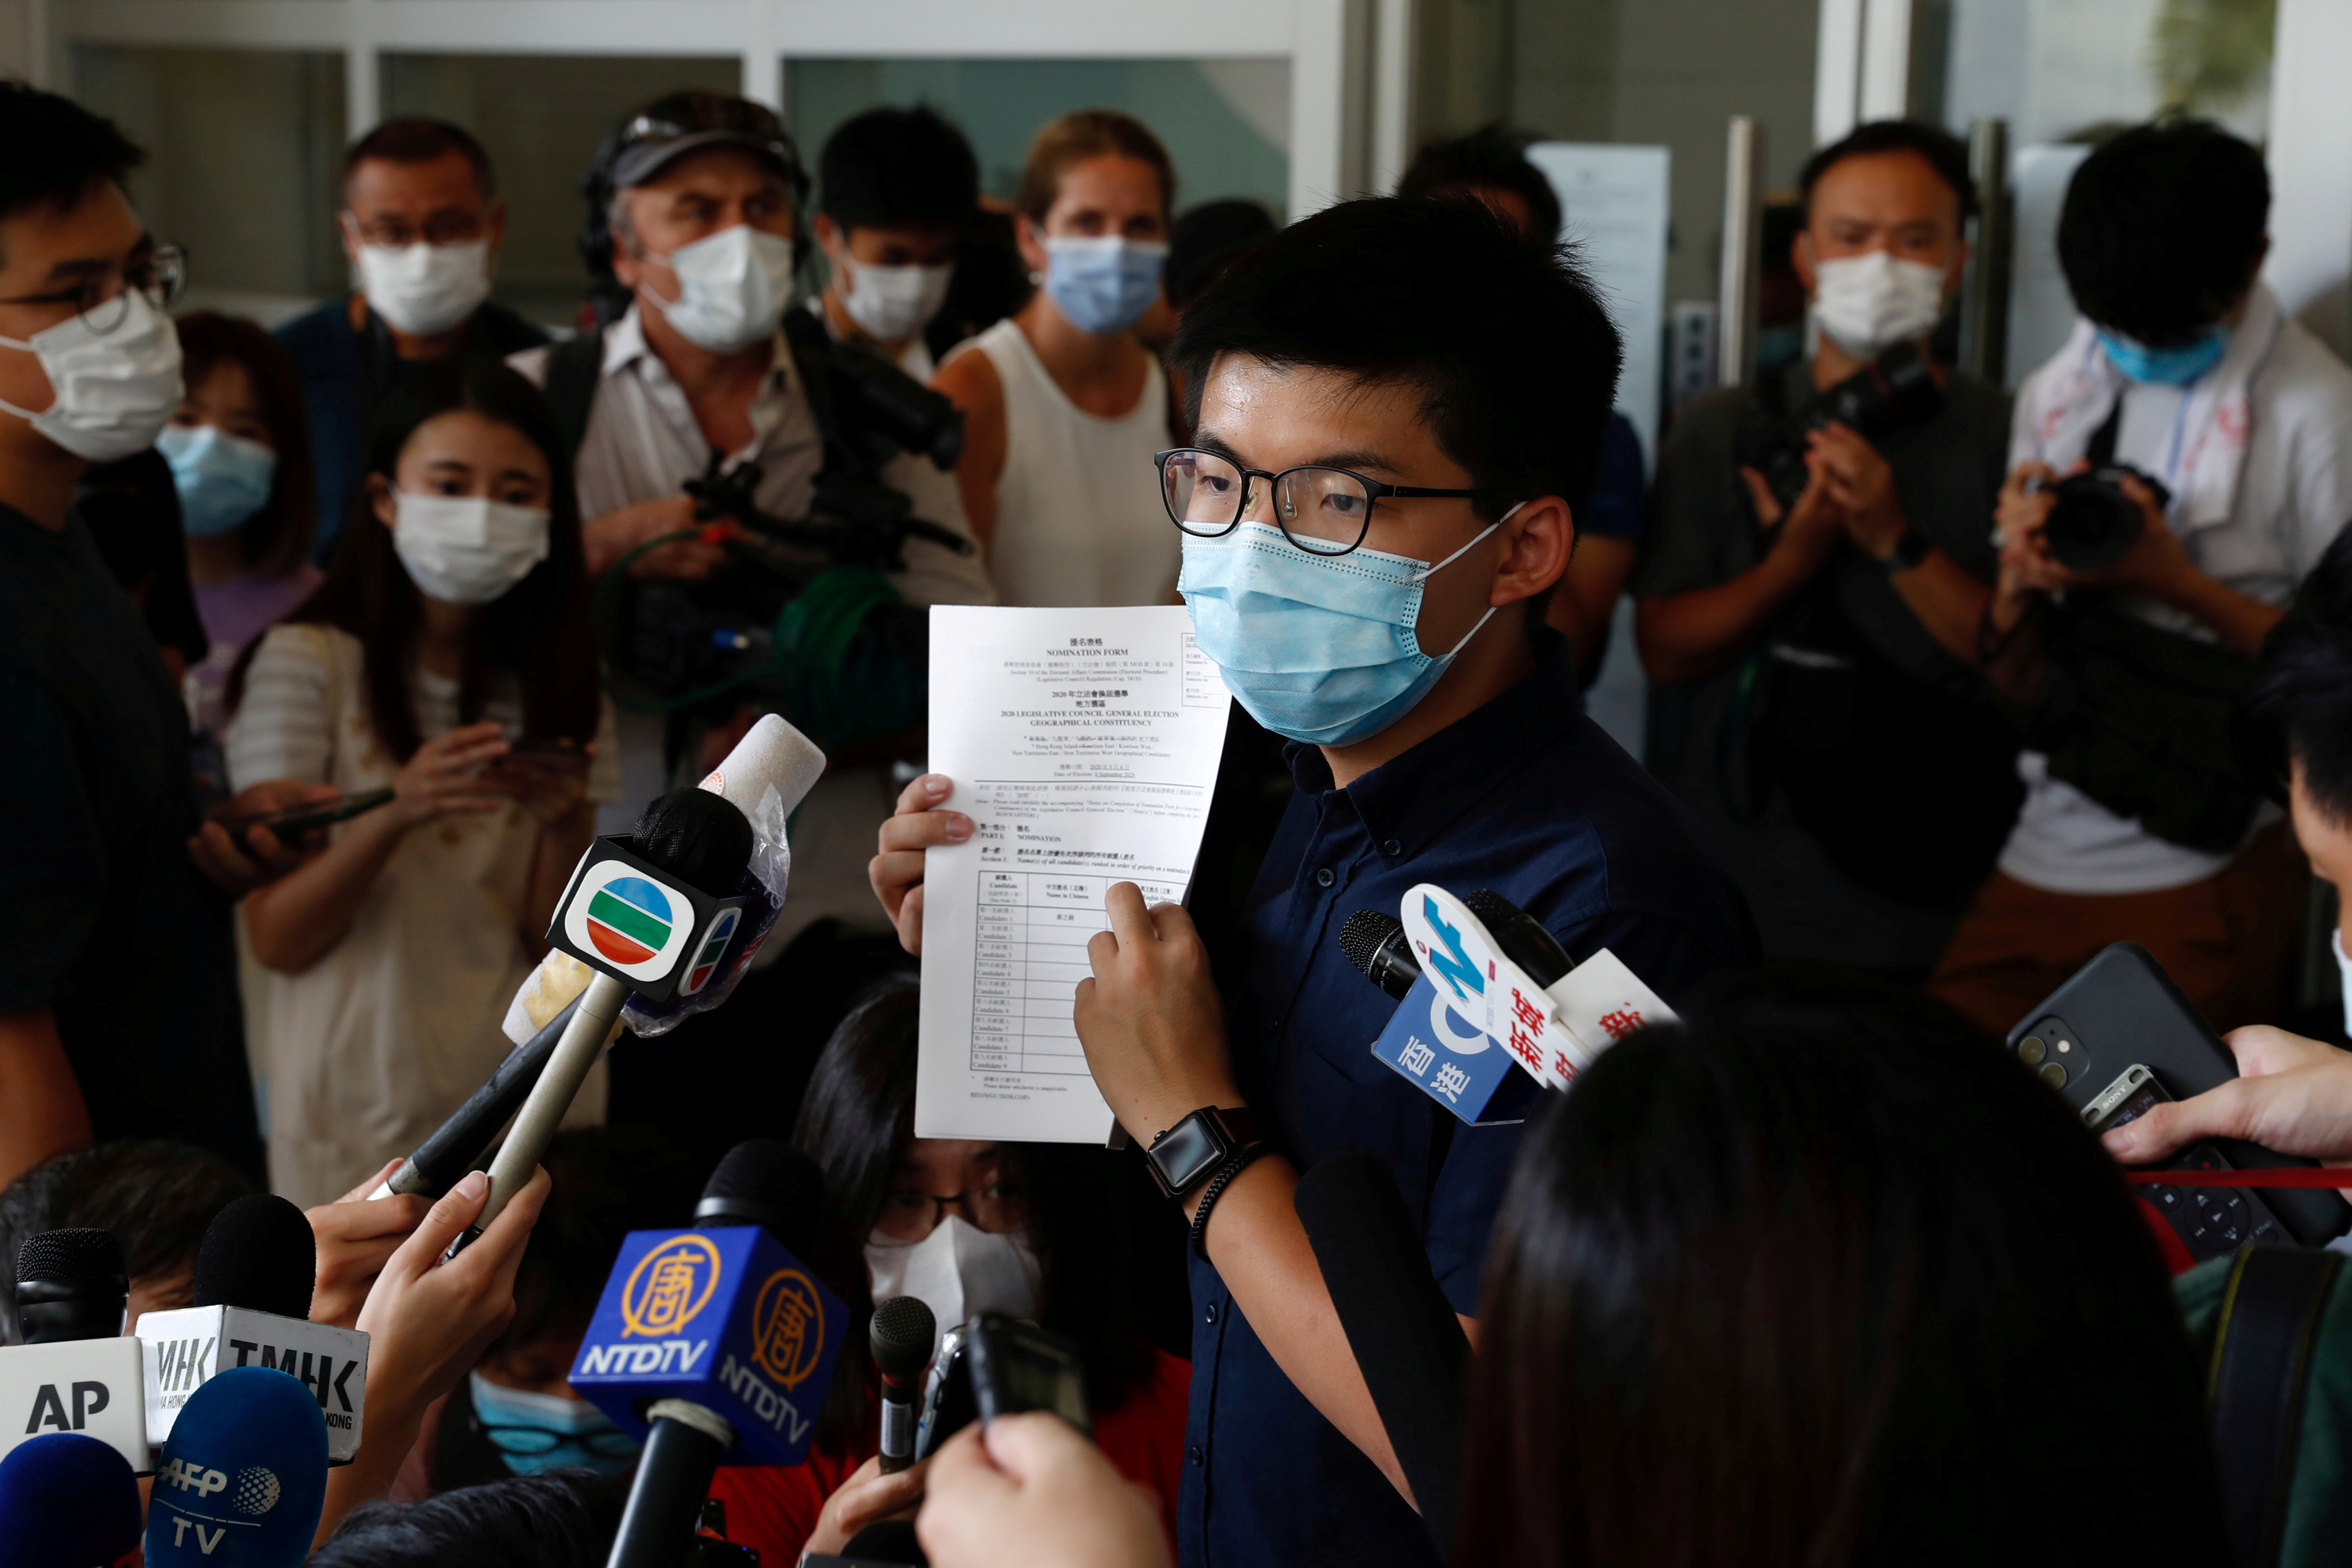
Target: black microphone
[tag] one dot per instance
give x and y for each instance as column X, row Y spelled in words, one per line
column 1521, row 937
column 257, row 1254
column 455, row 1147
column 901, row 1337
column 1375, row 943
column 1406, row 1340
column 761, row 1181
column 71, row 1285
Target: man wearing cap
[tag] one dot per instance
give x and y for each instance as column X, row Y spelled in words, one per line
column 694, row 217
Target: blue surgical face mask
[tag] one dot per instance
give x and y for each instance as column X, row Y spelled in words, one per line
column 1103, row 283
column 535, row 1432
column 223, row 479
column 1323, row 649
column 2167, row 367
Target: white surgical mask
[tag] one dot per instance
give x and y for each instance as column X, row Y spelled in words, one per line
column 115, row 391
column 425, row 290
column 959, row 1271
column 1870, row 302
column 894, row 304
column 731, row 288
column 468, row 550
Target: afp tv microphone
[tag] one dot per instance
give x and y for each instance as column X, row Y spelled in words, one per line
column 713, row 1344
column 252, row 1309
column 75, row 1372
column 244, row 1476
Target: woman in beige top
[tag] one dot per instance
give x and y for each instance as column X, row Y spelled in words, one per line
column 1064, row 408
column 450, row 657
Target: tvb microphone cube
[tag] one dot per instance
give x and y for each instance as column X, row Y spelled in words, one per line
column 723, row 1317
column 651, row 931
column 89, row 1387
column 189, row 1347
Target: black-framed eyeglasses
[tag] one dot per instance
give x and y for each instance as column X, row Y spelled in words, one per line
column 160, row 275
column 909, row 1213
column 604, row 1442
column 1323, row 510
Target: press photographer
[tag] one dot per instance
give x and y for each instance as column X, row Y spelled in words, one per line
column 706, row 400
column 1817, row 562
column 2179, row 465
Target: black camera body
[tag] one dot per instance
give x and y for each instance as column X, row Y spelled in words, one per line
column 1897, row 389
column 998, row 1365
column 2092, row 523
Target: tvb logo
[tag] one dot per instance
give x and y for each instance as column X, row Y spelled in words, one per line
column 50, row 1409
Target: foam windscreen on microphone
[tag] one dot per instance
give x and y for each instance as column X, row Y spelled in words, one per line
column 259, row 1254
column 696, row 837
column 1520, row 935
column 1374, row 942
column 1404, row 1335
column 67, row 1501
column 243, row 1478
column 70, row 1286
column 768, row 1183
column 902, row 1336
column 771, row 753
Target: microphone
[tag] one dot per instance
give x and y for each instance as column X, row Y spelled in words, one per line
column 442, row 1161
column 900, row 1336
column 1521, row 936
column 1375, row 943
column 244, row 1476
column 67, row 1501
column 714, row 1344
column 651, row 913
column 1406, row 1340
column 75, row 1372
column 252, row 1310
column 1595, row 1003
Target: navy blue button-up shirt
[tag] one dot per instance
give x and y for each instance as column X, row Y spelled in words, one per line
column 1528, row 797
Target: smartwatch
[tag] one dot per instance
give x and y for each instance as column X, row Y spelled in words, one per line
column 1189, row 1153
column 1909, row 550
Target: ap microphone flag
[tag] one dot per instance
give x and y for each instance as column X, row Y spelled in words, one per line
column 244, row 1476
column 723, row 1317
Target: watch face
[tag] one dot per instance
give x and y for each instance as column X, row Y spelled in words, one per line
column 1188, row 1152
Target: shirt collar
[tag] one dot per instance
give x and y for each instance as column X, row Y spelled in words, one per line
column 625, row 345
column 1415, row 795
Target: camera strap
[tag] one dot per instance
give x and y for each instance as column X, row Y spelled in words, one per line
column 2101, row 452
column 2272, row 1312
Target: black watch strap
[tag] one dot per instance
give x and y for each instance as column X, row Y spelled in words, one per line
column 1909, row 550
column 1187, row 1155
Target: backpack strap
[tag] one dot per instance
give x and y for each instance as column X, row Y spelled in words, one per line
column 573, row 368
column 2263, row 1343
column 2102, row 449
column 812, row 350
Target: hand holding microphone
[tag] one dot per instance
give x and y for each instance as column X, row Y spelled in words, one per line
column 353, row 1239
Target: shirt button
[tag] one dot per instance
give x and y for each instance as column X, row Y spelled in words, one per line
column 1326, row 877
column 1392, row 848
column 1193, row 1456
column 1209, row 1313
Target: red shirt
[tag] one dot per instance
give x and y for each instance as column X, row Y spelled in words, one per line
column 775, row 1508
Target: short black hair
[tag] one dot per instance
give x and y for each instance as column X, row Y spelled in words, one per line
column 891, row 166
column 2162, row 228
column 1208, row 240
column 53, row 151
column 558, row 1518
column 1490, row 158
column 157, row 1197
column 1920, row 1239
column 417, row 140
column 2298, row 704
column 1508, row 342
column 1945, row 153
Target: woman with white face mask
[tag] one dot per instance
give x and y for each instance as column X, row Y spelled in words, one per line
column 1036, row 1231
column 447, row 657
column 1063, row 407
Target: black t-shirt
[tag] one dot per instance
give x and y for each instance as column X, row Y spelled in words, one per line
column 103, row 918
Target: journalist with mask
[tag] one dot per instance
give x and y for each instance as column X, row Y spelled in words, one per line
column 119, row 1012
column 1817, row 562
column 1402, row 406
column 421, row 224
column 448, row 657
column 1063, row 406
column 2178, row 467
column 898, row 191
column 1036, row 1231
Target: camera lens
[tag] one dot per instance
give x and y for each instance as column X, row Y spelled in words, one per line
column 2053, row 1075
column 2031, row 1050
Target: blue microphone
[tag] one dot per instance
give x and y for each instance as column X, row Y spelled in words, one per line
column 244, row 1475
column 67, row 1501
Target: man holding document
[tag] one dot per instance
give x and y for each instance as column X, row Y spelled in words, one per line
column 1400, row 406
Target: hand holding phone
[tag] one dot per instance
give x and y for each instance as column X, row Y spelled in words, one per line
column 291, row 824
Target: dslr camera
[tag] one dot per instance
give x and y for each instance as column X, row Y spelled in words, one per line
column 2092, row 522
column 1897, row 389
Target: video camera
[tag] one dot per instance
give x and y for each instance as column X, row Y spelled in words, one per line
column 807, row 619
column 2092, row 523
column 1899, row 389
